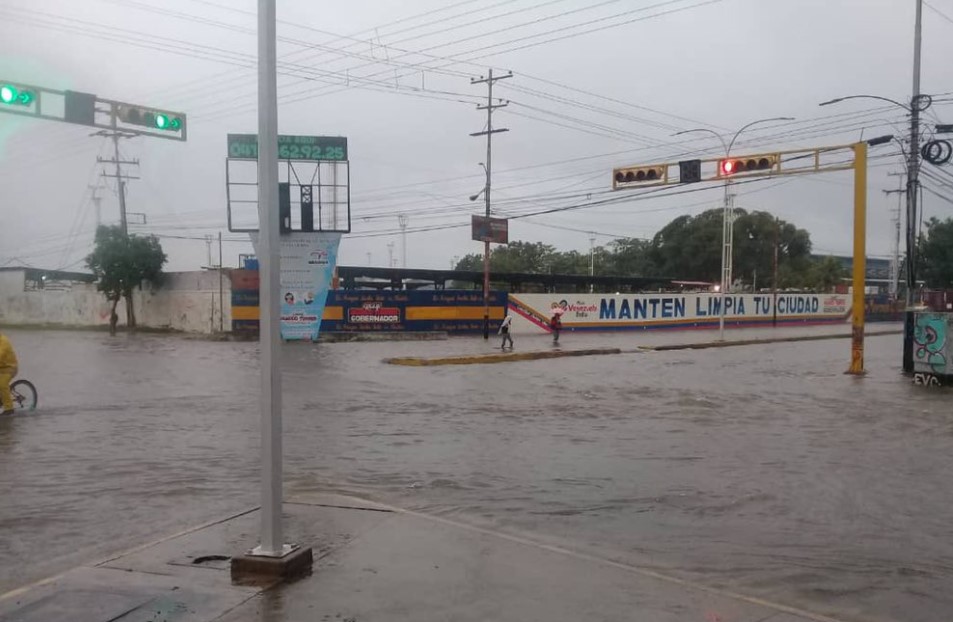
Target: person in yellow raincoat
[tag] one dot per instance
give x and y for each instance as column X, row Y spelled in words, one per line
column 8, row 370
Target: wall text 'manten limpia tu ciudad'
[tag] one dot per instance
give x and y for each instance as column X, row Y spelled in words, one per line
column 651, row 307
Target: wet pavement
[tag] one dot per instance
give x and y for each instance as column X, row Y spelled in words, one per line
column 760, row 469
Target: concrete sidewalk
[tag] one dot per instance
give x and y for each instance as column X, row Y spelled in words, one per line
column 376, row 563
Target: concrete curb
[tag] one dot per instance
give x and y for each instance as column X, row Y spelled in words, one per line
column 753, row 342
column 511, row 357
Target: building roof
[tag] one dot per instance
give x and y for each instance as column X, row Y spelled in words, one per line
column 39, row 274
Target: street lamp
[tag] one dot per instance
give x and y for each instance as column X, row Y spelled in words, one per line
column 474, row 197
column 918, row 103
column 727, row 236
column 838, row 100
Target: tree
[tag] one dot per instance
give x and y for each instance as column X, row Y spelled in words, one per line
column 936, row 253
column 626, row 257
column 120, row 263
column 689, row 247
column 517, row 256
column 824, row 274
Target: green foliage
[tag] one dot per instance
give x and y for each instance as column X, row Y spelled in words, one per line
column 824, row 274
column 936, row 253
column 688, row 248
column 121, row 263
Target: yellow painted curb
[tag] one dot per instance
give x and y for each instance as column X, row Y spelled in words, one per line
column 508, row 357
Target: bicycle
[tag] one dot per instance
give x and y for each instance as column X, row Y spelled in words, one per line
column 24, row 395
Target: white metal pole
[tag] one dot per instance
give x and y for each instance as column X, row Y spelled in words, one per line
column 725, row 251
column 271, row 544
column 402, row 221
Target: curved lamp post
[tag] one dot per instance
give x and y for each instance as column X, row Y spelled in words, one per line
column 727, row 237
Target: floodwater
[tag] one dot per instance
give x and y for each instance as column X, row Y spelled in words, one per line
column 759, row 468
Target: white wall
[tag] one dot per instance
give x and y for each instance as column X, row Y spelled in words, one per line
column 531, row 312
column 187, row 301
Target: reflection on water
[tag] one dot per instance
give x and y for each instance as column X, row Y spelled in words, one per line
column 761, row 468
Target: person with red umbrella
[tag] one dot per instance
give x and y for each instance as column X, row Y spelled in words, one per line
column 555, row 322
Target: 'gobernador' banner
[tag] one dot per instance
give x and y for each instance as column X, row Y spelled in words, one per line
column 307, row 268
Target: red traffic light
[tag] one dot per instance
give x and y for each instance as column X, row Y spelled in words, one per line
column 747, row 164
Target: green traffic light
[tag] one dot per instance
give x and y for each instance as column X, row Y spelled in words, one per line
column 166, row 122
column 8, row 94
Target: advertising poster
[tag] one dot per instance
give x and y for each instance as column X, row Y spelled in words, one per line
column 307, row 268
column 451, row 311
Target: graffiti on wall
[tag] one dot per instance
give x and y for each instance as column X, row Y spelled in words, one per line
column 929, row 343
column 927, row 380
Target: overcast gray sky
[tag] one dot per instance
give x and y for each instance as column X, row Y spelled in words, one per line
column 596, row 84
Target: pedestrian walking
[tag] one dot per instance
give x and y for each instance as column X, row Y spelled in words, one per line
column 505, row 331
column 555, row 325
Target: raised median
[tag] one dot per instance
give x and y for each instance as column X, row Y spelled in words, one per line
column 501, row 357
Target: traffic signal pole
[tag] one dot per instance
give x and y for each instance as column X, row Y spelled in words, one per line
column 860, row 259
column 781, row 164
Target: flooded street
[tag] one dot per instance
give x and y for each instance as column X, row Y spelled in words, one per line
column 760, row 468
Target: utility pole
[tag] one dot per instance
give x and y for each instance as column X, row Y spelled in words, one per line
column 895, row 220
column 98, row 204
column 368, row 260
column 592, row 259
column 488, row 132
column 913, row 189
column 120, row 177
column 390, row 254
column 208, row 249
column 402, row 221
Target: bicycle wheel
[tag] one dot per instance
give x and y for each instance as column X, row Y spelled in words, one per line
column 24, row 395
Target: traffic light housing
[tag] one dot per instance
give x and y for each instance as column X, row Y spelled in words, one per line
column 13, row 95
column 747, row 164
column 654, row 173
column 146, row 117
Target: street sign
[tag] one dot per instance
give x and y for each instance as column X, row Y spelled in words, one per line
column 495, row 230
column 689, row 171
column 291, row 147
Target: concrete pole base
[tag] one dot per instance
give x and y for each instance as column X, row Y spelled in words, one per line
column 251, row 568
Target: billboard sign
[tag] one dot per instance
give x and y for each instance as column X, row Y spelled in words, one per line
column 495, row 230
column 291, row 147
